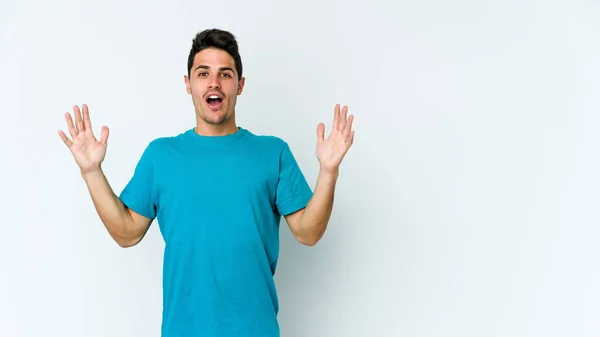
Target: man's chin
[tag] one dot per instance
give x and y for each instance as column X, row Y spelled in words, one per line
column 215, row 122
column 216, row 119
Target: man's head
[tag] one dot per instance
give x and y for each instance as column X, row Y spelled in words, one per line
column 214, row 76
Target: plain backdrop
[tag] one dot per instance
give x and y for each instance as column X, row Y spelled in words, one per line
column 468, row 206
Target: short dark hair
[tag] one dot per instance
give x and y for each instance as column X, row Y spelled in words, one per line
column 218, row 39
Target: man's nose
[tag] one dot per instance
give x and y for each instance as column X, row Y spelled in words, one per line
column 214, row 82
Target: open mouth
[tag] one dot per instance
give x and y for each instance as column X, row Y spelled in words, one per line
column 214, row 101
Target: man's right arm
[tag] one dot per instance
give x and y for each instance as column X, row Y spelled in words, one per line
column 124, row 225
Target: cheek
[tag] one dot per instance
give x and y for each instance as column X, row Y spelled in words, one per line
column 196, row 94
column 232, row 98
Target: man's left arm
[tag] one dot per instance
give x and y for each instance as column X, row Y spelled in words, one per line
column 308, row 225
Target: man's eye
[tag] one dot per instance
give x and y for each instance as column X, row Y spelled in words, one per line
column 226, row 75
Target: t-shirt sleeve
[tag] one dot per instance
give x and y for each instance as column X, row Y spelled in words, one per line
column 293, row 191
column 139, row 194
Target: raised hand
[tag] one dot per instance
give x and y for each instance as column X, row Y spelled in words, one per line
column 332, row 150
column 86, row 149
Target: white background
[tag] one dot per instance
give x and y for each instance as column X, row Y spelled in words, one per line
column 468, row 206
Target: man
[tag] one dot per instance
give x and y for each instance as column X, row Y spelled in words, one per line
column 218, row 192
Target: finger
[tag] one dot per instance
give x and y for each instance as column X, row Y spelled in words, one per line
column 343, row 119
column 78, row 119
column 64, row 138
column 320, row 132
column 348, row 127
column 104, row 135
column 336, row 117
column 350, row 140
column 72, row 129
column 87, row 123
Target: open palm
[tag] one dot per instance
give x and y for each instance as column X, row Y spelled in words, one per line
column 331, row 150
column 86, row 149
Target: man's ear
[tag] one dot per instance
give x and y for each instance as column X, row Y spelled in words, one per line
column 241, row 84
column 186, row 79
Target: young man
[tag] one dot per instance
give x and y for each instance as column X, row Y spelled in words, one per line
column 218, row 192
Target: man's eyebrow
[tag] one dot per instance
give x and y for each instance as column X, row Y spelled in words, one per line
column 202, row 66
column 227, row 68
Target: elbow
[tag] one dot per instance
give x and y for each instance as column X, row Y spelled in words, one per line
column 308, row 240
column 308, row 233
column 125, row 236
column 310, row 243
column 125, row 241
column 129, row 241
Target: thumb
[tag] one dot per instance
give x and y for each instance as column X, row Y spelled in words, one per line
column 320, row 132
column 104, row 135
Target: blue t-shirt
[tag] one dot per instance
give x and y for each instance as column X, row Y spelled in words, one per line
column 218, row 201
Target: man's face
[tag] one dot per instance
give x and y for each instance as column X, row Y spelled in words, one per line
column 214, row 85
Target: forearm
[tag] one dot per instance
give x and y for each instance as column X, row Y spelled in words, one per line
column 315, row 217
column 112, row 212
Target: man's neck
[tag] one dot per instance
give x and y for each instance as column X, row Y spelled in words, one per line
column 204, row 129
